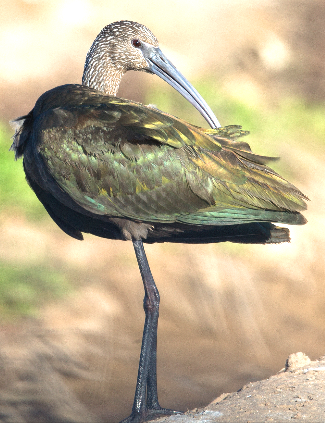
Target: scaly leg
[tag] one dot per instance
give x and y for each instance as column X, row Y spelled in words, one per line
column 146, row 405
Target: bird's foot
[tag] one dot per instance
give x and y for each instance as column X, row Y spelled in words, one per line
column 148, row 415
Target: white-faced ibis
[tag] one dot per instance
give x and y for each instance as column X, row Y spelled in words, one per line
column 121, row 170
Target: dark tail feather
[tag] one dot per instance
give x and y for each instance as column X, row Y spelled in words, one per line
column 279, row 235
column 251, row 233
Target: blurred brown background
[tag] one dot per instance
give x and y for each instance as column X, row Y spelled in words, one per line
column 229, row 314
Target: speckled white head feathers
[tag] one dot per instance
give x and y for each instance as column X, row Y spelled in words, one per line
column 114, row 52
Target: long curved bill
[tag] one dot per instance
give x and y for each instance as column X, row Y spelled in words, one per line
column 161, row 66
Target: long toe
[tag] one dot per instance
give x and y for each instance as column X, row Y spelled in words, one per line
column 149, row 415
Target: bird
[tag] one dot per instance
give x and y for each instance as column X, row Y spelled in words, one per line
column 122, row 170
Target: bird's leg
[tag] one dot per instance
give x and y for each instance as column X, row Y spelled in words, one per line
column 146, row 403
column 147, row 364
column 152, row 391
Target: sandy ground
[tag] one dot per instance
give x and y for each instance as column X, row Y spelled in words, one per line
column 295, row 394
column 41, row 381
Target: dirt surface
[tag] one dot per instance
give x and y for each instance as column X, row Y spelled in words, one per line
column 37, row 386
column 295, row 394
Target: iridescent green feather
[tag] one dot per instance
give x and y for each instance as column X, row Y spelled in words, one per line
column 123, row 159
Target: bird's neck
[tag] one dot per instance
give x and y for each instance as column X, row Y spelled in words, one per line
column 100, row 74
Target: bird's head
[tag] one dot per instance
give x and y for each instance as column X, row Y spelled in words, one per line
column 125, row 45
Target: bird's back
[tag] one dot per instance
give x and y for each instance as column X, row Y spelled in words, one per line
column 122, row 170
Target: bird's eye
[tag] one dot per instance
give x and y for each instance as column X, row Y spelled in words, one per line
column 136, row 43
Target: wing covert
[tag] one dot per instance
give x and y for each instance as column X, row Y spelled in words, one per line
column 122, row 159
